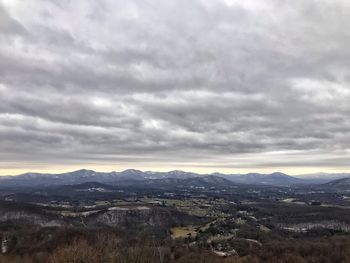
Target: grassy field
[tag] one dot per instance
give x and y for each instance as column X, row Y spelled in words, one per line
column 182, row 232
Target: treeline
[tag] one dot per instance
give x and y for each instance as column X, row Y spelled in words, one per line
column 111, row 246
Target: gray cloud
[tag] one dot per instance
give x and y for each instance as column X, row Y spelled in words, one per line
column 216, row 84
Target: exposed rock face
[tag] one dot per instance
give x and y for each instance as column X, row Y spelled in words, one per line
column 326, row 224
column 142, row 216
column 24, row 217
column 126, row 216
column 123, row 216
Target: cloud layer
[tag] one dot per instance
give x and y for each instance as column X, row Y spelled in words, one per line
column 215, row 84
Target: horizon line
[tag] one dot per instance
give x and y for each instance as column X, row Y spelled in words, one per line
column 58, row 172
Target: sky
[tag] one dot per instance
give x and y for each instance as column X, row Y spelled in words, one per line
column 223, row 85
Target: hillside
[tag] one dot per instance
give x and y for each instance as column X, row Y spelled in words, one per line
column 339, row 183
column 265, row 179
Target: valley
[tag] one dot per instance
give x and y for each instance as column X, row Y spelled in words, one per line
column 208, row 213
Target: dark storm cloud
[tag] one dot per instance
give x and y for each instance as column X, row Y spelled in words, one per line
column 210, row 82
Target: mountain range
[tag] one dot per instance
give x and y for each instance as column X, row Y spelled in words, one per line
column 153, row 178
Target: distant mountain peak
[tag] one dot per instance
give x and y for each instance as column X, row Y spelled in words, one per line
column 279, row 174
column 131, row 171
column 83, row 171
column 178, row 172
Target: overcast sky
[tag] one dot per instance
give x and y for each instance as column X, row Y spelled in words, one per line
column 198, row 85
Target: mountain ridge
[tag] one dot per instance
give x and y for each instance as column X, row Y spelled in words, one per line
column 85, row 175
